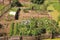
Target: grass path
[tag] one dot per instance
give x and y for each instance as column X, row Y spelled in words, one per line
column 54, row 13
column 53, row 39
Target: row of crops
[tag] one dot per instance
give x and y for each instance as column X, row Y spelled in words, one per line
column 34, row 27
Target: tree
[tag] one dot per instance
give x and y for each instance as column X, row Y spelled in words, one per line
column 38, row 1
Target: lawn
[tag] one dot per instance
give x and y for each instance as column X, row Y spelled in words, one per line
column 56, row 5
column 53, row 39
column 1, row 6
column 14, row 9
column 56, row 10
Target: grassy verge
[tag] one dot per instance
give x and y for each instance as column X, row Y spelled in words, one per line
column 52, row 39
column 1, row 6
column 56, row 10
column 14, row 9
column 56, row 5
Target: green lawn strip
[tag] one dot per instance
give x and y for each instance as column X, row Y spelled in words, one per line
column 30, row 5
column 52, row 39
column 56, row 5
column 14, row 9
column 1, row 6
column 35, row 6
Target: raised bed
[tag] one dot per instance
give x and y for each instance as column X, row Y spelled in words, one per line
column 14, row 38
column 21, row 38
column 31, row 38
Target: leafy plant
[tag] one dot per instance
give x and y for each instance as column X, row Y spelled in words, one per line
column 16, row 29
column 11, row 29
